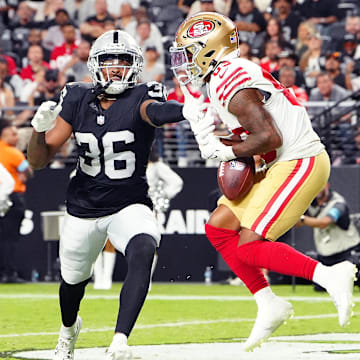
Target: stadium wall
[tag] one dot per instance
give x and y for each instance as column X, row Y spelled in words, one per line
column 184, row 251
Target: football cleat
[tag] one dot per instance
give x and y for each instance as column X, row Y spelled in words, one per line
column 340, row 287
column 268, row 319
column 118, row 351
column 66, row 344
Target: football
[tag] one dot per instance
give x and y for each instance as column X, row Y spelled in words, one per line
column 236, row 177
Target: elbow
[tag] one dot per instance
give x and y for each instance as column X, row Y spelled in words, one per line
column 272, row 140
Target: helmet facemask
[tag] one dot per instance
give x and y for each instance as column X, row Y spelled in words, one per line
column 183, row 64
column 122, row 62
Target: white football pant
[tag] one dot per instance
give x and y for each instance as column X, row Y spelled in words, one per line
column 81, row 240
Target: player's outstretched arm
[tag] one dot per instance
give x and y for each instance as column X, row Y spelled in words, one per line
column 264, row 135
column 50, row 132
column 160, row 113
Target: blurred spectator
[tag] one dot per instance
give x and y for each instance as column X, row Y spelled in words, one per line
column 154, row 70
column 288, row 19
column 21, row 25
column 272, row 32
column 232, row 7
column 15, row 163
column 246, row 53
column 201, row 5
column 326, row 90
column 94, row 26
column 50, row 88
column 270, row 62
column 7, row 98
column 332, row 66
column 80, row 10
column 141, row 13
column 127, row 17
column 146, row 38
column 7, row 9
column 36, row 63
column 13, row 82
column 311, row 61
column 248, row 19
column 55, row 36
column 34, row 38
column 335, row 234
column 350, row 32
column 115, row 7
column 289, row 59
column 62, row 54
column 305, row 29
column 76, row 69
column 287, row 78
column 46, row 10
column 319, row 12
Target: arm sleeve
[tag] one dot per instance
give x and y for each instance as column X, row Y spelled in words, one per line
column 161, row 113
column 7, row 183
column 340, row 215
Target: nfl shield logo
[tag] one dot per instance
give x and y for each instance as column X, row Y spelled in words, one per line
column 100, row 120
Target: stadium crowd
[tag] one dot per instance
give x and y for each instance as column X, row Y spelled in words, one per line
column 311, row 46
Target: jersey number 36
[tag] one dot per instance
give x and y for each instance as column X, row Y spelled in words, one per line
column 90, row 162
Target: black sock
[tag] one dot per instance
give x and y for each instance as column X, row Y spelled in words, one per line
column 70, row 297
column 139, row 255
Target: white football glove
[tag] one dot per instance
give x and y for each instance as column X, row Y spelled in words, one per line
column 45, row 116
column 213, row 148
column 193, row 107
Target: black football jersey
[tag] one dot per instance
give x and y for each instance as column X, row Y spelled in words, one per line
column 113, row 148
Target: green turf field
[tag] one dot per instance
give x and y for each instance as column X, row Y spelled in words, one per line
column 173, row 313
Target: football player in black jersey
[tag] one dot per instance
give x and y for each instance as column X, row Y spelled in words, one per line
column 113, row 122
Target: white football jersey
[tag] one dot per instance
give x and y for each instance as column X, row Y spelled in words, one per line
column 234, row 74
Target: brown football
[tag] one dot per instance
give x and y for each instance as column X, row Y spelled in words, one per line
column 236, row 177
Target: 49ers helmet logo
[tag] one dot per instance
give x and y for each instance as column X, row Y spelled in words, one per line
column 200, row 28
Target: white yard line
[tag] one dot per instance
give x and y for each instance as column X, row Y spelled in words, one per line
column 173, row 297
column 174, row 324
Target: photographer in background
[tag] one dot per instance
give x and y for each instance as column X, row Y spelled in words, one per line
column 335, row 234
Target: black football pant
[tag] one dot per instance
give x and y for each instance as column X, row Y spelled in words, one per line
column 10, row 234
column 139, row 255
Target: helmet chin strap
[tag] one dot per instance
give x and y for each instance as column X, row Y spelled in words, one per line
column 214, row 62
column 99, row 90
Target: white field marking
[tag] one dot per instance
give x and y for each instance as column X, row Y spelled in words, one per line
column 174, row 324
column 174, row 297
column 272, row 350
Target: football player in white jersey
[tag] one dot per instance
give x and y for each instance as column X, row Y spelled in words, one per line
column 274, row 125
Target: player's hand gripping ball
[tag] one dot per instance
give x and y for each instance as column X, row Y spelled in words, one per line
column 236, row 177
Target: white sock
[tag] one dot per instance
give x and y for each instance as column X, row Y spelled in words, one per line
column 321, row 275
column 109, row 259
column 119, row 338
column 263, row 296
column 68, row 331
column 98, row 269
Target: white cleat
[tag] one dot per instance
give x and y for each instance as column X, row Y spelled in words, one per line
column 119, row 352
column 268, row 319
column 66, row 344
column 340, row 288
